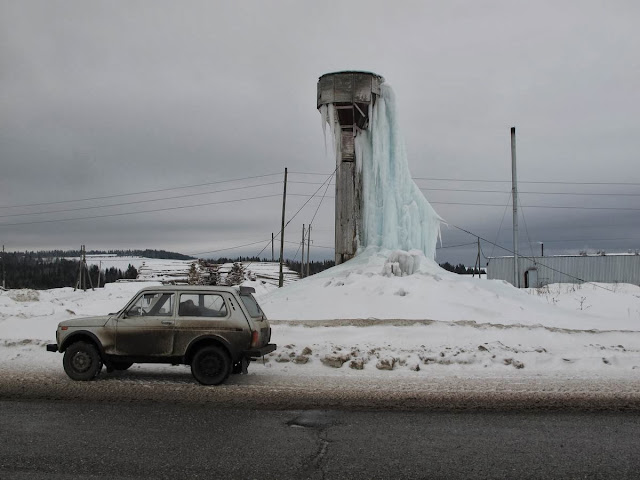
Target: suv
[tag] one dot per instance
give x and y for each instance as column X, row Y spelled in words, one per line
column 216, row 330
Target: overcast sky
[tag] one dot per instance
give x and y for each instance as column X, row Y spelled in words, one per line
column 101, row 99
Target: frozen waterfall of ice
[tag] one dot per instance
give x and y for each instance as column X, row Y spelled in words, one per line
column 395, row 213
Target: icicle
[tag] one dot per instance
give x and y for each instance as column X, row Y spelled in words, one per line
column 395, row 213
column 325, row 119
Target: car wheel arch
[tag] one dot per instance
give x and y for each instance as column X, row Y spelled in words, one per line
column 80, row 336
column 209, row 340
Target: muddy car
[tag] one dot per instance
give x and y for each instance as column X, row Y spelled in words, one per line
column 215, row 330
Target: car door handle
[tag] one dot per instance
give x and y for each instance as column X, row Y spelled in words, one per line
column 167, row 322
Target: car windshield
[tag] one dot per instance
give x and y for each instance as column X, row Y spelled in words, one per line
column 251, row 305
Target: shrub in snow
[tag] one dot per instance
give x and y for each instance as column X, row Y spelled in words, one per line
column 401, row 263
column 236, row 274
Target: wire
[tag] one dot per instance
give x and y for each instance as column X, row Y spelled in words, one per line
column 525, row 226
column 454, row 246
column 323, row 195
column 138, row 201
column 142, row 211
column 140, row 193
column 506, row 206
column 530, row 258
column 520, row 181
column 295, row 214
column 310, row 197
column 225, row 249
column 520, row 192
column 538, row 206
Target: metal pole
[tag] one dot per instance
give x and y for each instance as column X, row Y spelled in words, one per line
column 302, row 258
column 514, row 197
column 308, row 250
column 4, row 278
column 99, row 268
column 542, row 247
column 284, row 202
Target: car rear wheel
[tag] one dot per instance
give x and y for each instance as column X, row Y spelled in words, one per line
column 82, row 361
column 211, row 365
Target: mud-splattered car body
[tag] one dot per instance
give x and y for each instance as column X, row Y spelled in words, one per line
column 171, row 324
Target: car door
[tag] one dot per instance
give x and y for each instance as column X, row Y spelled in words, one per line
column 208, row 313
column 146, row 327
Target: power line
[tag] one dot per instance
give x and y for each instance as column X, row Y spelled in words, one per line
column 529, row 258
column 501, row 181
column 225, row 249
column 520, row 181
column 140, row 193
column 528, row 193
column 320, row 203
column 455, row 246
column 138, row 201
column 135, row 213
column 295, row 214
column 537, row 206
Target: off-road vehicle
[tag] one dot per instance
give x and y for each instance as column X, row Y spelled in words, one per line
column 215, row 330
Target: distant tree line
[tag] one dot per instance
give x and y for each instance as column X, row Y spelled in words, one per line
column 29, row 270
column 461, row 269
column 314, row 267
column 162, row 254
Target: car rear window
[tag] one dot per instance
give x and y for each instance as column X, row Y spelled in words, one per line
column 252, row 306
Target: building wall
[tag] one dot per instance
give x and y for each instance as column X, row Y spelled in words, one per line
column 590, row 268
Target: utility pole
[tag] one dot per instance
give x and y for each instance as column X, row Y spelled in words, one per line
column 272, row 251
column 4, row 278
column 284, row 203
column 79, row 280
column 99, row 269
column 82, row 282
column 308, row 249
column 302, row 257
column 477, row 264
column 514, row 197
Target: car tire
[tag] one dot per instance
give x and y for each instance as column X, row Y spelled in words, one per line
column 117, row 365
column 211, row 365
column 82, row 361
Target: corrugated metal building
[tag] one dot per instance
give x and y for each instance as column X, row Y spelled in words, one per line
column 540, row 271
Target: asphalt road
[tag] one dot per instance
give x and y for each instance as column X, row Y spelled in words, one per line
column 287, row 391
column 78, row 439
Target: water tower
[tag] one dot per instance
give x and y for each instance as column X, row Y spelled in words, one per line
column 350, row 93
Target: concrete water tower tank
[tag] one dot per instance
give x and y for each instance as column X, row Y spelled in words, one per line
column 351, row 93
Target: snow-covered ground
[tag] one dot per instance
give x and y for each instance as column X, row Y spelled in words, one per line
column 359, row 320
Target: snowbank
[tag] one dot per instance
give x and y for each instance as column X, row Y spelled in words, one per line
column 363, row 288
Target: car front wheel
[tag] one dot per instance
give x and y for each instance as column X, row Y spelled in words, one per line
column 82, row 361
column 211, row 365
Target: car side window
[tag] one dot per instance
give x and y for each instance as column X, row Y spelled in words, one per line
column 202, row 305
column 152, row 305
